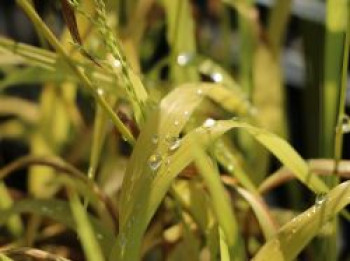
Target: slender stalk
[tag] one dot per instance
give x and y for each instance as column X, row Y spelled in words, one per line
column 28, row 9
column 338, row 146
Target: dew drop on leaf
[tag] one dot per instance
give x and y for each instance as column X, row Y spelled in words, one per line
column 155, row 161
column 100, row 92
column 320, row 199
column 184, row 58
column 176, row 123
column 209, row 123
column 199, row 92
column 116, row 63
column 216, row 77
column 174, row 144
column 230, row 167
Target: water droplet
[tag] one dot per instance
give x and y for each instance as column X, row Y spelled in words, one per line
column 155, row 161
column 100, row 92
column 174, row 144
column 116, row 63
column 209, row 123
column 216, row 77
column 199, row 92
column 184, row 58
column 176, row 123
column 186, row 113
column 320, row 199
column 230, row 167
column 155, row 139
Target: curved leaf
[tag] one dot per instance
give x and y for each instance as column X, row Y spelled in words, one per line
column 59, row 211
column 296, row 234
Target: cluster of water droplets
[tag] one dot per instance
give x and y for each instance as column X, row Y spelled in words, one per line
column 156, row 159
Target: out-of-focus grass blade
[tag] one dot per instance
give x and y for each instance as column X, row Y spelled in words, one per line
column 5, row 258
column 14, row 223
column 181, row 38
column 32, row 75
column 195, row 200
column 336, row 26
column 267, row 224
column 278, row 21
column 87, row 236
column 188, row 248
column 297, row 233
column 71, row 21
column 268, row 98
column 13, row 129
column 32, row 253
column 59, row 211
column 221, row 205
column 25, row 110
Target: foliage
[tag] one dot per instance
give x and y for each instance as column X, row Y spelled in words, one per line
column 176, row 162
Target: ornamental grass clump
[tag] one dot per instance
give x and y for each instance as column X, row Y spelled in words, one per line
column 153, row 138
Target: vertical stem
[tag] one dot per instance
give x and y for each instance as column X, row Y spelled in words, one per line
column 338, row 146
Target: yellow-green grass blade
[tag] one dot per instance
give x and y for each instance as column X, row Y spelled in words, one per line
column 5, row 258
column 296, row 234
column 88, row 189
column 86, row 234
column 24, row 253
column 278, row 21
column 34, row 75
column 221, row 204
column 261, row 211
column 24, row 110
column 60, row 212
column 336, row 26
column 181, row 38
column 195, row 200
column 14, row 223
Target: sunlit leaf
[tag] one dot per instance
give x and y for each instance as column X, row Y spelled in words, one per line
column 297, row 233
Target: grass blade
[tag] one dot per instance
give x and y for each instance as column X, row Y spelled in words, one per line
column 88, row 237
column 296, row 234
column 59, row 211
column 221, row 205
